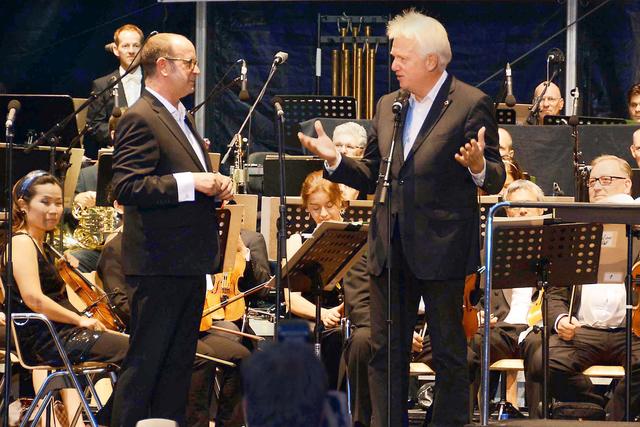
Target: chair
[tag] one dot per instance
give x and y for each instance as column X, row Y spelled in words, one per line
column 508, row 369
column 65, row 376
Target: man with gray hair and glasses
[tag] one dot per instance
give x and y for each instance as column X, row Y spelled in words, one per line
column 446, row 148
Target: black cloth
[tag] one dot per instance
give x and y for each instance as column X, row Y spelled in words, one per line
column 257, row 270
column 589, row 346
column 435, row 215
column 81, row 344
column 167, row 249
column 211, row 343
column 99, row 112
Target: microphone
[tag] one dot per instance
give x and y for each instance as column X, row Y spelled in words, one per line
column 277, row 103
column 574, row 120
column 280, row 58
column 555, row 55
column 244, row 93
column 12, row 109
column 510, row 100
column 400, row 102
column 116, row 112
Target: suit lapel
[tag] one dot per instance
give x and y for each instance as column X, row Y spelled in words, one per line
column 192, row 126
column 173, row 127
column 440, row 105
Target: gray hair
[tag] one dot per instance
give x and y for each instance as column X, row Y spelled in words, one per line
column 358, row 132
column 428, row 32
column 523, row 184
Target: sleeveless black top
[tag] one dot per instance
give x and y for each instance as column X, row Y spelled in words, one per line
column 36, row 343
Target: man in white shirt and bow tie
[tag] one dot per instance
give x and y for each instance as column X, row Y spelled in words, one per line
column 127, row 41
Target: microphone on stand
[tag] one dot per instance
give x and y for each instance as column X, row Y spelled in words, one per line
column 277, row 104
column 510, row 100
column 12, row 110
column 244, row 93
column 400, row 102
column 280, row 58
column 574, row 120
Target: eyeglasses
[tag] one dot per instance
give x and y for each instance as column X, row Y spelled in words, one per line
column 603, row 180
column 191, row 63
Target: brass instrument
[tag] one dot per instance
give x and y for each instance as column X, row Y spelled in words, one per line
column 238, row 174
column 94, row 225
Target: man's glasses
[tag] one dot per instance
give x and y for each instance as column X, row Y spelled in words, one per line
column 191, row 63
column 603, row 180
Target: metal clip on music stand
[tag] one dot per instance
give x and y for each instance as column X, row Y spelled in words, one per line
column 322, row 261
column 545, row 256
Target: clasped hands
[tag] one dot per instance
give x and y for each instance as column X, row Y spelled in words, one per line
column 471, row 155
column 214, row 184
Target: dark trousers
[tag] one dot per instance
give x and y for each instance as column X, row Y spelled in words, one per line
column 443, row 300
column 589, row 346
column 154, row 382
column 357, row 353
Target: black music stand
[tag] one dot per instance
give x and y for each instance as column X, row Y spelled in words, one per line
column 296, row 169
column 506, row 116
column 323, row 260
column 105, row 174
column 583, row 120
column 304, row 107
column 38, row 114
column 544, row 256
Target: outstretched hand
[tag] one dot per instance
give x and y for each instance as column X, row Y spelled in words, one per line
column 322, row 146
column 472, row 153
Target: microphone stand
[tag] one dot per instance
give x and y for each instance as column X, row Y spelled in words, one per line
column 216, row 89
column 282, row 229
column 385, row 199
column 236, row 141
column 10, row 281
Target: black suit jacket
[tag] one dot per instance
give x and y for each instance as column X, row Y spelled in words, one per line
column 100, row 110
column 257, row 270
column 161, row 236
column 434, row 198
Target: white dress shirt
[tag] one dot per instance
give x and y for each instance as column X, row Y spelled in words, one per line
column 184, row 180
column 132, row 84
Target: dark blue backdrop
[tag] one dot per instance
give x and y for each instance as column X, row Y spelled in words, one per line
column 55, row 46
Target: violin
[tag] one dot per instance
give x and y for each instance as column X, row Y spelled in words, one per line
column 96, row 300
column 225, row 288
column 470, row 299
column 635, row 283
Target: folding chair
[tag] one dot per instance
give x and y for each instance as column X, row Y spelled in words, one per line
column 65, row 376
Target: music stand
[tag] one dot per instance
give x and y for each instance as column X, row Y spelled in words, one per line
column 323, row 260
column 506, row 116
column 297, row 168
column 105, row 175
column 229, row 223
column 38, row 114
column 304, row 107
column 583, row 120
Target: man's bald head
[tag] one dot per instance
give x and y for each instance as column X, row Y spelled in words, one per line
column 159, row 46
column 552, row 102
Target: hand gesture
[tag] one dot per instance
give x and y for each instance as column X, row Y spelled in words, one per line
column 213, row 184
column 567, row 330
column 322, row 146
column 472, row 153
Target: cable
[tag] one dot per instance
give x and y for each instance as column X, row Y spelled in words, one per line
column 542, row 43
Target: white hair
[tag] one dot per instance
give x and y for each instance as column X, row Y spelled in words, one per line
column 428, row 32
column 356, row 131
column 523, row 184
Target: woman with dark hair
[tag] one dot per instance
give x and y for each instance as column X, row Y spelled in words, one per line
column 36, row 211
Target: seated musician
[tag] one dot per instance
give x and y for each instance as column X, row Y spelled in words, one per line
column 594, row 332
column 633, row 103
column 350, row 139
column 323, row 200
column 212, row 343
column 551, row 103
column 635, row 147
column 36, row 211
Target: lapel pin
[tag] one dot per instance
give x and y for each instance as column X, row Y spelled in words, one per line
column 447, row 102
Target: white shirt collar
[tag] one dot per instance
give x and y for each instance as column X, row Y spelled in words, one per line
column 431, row 96
column 135, row 73
column 178, row 113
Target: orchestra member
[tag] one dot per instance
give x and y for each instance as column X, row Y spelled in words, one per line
column 594, row 332
column 633, row 102
column 447, row 147
column 551, row 103
column 127, row 41
column 350, row 139
column 163, row 177
column 635, row 147
column 39, row 288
